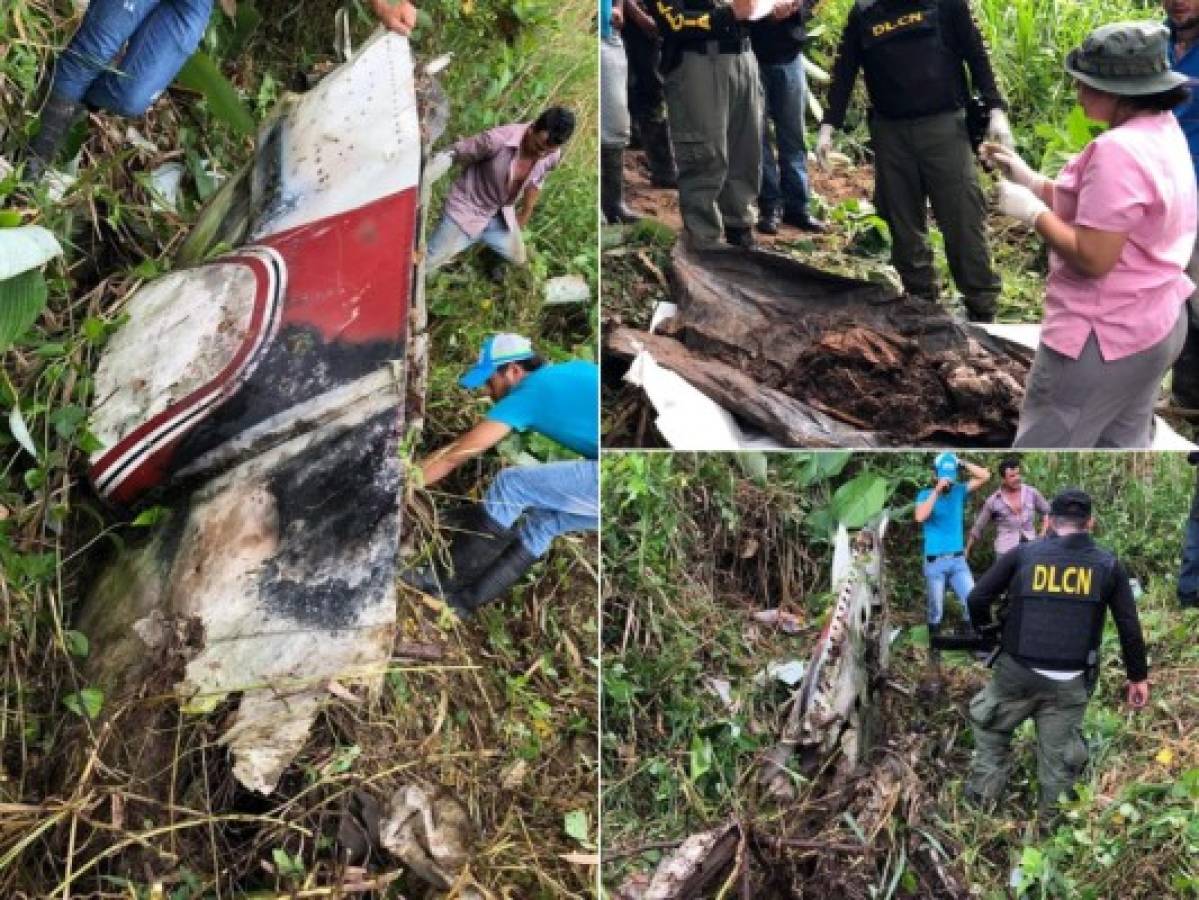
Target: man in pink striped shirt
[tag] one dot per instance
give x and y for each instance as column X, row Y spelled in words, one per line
column 503, row 167
column 1013, row 508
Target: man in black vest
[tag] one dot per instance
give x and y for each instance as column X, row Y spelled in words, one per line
column 914, row 54
column 1059, row 589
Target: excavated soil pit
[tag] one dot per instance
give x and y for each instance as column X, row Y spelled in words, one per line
column 894, row 369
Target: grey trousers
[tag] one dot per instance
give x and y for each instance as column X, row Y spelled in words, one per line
column 929, row 160
column 1087, row 402
column 614, row 79
column 714, row 101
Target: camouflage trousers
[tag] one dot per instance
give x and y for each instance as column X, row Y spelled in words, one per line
column 1016, row 693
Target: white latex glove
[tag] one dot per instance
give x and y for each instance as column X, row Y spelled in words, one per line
column 1019, row 202
column 440, row 164
column 999, row 129
column 1012, row 167
column 824, row 145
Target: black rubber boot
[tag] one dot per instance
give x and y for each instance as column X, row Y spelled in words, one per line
column 57, row 119
column 495, row 582
column 659, row 154
column 768, row 221
column 612, row 187
column 478, row 541
column 740, row 236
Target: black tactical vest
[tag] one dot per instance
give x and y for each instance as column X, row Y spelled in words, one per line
column 1056, row 608
column 909, row 68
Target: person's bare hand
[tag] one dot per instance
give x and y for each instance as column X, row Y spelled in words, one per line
column 742, row 9
column 617, row 18
column 784, row 10
column 1138, row 694
column 943, row 484
column 397, row 15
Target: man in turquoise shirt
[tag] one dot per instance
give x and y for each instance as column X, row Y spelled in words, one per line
column 1183, row 22
column 941, row 509
column 497, row 542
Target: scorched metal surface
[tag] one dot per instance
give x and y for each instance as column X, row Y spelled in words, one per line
column 260, row 397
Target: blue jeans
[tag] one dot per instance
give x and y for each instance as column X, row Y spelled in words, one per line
column 553, row 498
column 784, row 89
column 449, row 240
column 954, row 571
column 1188, row 578
column 158, row 37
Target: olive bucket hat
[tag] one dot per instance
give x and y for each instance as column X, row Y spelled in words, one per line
column 1125, row 58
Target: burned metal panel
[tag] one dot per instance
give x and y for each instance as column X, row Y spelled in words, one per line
column 835, row 699
column 334, row 234
column 261, row 398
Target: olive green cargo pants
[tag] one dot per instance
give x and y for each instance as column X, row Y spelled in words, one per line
column 1014, row 694
column 714, row 102
column 929, row 160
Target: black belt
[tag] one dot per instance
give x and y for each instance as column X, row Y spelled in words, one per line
column 712, row 48
column 939, row 555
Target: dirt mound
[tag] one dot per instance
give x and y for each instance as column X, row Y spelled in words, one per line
column 854, row 350
column 883, row 382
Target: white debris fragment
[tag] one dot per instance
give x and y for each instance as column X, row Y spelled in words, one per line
column 431, row 834
column 789, row 673
column 722, row 689
column 166, row 181
column 566, row 289
column 786, row 622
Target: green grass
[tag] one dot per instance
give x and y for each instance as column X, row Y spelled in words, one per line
column 692, row 545
column 517, row 686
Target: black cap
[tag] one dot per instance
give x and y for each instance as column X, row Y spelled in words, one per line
column 1071, row 503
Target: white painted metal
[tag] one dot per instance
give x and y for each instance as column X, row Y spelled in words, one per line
column 351, row 140
column 199, row 317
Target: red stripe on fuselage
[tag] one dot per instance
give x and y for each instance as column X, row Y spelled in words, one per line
column 152, row 468
column 349, row 276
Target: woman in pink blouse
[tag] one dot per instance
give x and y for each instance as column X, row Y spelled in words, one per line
column 1120, row 224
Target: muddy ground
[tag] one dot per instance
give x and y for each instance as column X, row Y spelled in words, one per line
column 663, row 205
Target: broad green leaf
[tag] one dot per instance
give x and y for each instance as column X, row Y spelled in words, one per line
column 87, row 702
column 753, row 464
column 822, row 466
column 287, row 866
column 578, row 825
column 201, row 74
column 859, row 500
column 22, row 299
column 702, row 757
column 9, row 218
column 150, row 516
column 25, row 248
column 76, row 643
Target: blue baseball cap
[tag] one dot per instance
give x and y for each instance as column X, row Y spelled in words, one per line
column 498, row 350
column 946, row 465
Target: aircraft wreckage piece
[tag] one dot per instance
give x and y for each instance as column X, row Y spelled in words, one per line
column 884, row 367
column 832, row 711
column 260, row 397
